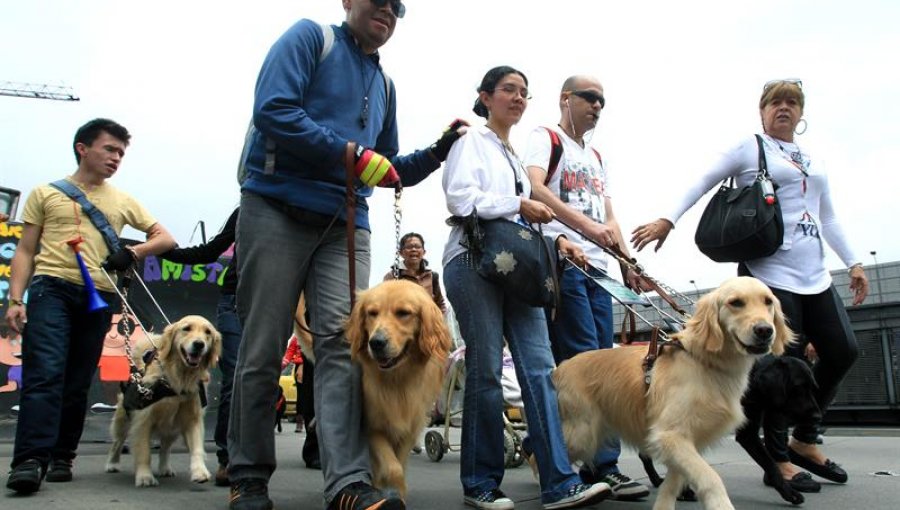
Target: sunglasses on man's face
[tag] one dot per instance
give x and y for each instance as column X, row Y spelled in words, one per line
column 792, row 81
column 590, row 96
column 396, row 6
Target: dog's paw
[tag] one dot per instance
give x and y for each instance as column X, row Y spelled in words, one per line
column 166, row 472
column 200, row 474
column 790, row 495
column 112, row 467
column 145, row 480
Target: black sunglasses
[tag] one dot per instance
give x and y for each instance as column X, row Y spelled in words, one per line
column 396, row 6
column 590, row 96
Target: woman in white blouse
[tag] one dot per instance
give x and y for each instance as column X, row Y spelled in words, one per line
column 484, row 173
column 796, row 273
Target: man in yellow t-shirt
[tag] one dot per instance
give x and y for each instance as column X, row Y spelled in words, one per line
column 62, row 341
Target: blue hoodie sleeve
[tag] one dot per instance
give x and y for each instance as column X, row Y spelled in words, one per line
column 280, row 89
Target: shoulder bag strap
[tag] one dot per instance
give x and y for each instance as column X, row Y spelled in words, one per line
column 96, row 215
column 763, row 168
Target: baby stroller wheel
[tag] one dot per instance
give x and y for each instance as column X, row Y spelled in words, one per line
column 512, row 449
column 434, row 445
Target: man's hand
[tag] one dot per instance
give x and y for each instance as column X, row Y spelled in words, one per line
column 441, row 147
column 373, row 169
column 16, row 317
column 122, row 260
column 601, row 234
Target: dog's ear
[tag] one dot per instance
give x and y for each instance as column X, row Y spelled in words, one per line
column 704, row 324
column 355, row 327
column 215, row 352
column 165, row 341
column 434, row 337
column 784, row 336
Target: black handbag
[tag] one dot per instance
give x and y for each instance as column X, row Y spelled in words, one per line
column 518, row 258
column 742, row 224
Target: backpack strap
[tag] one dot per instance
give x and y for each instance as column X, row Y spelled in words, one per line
column 95, row 215
column 269, row 166
column 556, row 152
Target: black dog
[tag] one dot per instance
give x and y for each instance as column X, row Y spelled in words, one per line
column 779, row 384
column 784, row 385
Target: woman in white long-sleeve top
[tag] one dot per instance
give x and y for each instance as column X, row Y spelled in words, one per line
column 484, row 174
column 796, row 272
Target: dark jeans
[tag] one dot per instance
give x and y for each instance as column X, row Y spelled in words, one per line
column 61, row 346
column 823, row 321
column 229, row 326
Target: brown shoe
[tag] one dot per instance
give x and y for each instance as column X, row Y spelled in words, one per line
column 222, row 476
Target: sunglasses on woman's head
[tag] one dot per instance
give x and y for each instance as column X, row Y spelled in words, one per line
column 590, row 96
column 793, row 81
column 396, row 6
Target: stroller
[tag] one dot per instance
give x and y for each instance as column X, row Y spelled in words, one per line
column 449, row 406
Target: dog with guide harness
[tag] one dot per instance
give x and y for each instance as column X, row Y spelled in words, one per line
column 167, row 401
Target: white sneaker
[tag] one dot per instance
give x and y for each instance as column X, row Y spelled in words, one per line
column 581, row 494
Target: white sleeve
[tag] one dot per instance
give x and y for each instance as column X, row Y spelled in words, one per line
column 832, row 231
column 726, row 164
column 468, row 182
column 538, row 151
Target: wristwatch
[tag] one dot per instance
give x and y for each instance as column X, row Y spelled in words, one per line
column 16, row 302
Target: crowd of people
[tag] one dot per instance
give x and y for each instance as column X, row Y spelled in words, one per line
column 324, row 126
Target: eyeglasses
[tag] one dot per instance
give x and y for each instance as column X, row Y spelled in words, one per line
column 397, row 6
column 413, row 247
column 512, row 90
column 590, row 96
column 792, row 81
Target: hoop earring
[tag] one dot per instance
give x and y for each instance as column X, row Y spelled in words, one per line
column 805, row 125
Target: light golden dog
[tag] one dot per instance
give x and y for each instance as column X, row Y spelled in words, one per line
column 187, row 350
column 694, row 397
column 397, row 334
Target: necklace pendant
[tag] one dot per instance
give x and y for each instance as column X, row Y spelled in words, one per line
column 364, row 115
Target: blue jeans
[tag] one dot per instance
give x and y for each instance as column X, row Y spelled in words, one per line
column 485, row 317
column 584, row 323
column 61, row 346
column 229, row 326
column 278, row 257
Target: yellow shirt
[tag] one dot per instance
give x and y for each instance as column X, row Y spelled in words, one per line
column 62, row 219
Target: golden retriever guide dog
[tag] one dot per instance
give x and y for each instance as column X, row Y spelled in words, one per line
column 694, row 397
column 398, row 336
column 187, row 350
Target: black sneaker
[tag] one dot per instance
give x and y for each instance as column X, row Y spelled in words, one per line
column 362, row 496
column 493, row 499
column 250, row 494
column 579, row 495
column 60, row 471
column 624, row 488
column 26, row 477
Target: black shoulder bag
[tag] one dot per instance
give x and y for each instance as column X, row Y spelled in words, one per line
column 742, row 224
column 517, row 257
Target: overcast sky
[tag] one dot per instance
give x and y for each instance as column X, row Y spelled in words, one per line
column 682, row 81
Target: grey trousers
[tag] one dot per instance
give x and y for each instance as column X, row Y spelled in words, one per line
column 277, row 258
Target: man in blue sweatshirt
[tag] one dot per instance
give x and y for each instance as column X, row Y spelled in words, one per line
column 323, row 108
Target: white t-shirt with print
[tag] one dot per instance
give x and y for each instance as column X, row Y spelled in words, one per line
column 580, row 181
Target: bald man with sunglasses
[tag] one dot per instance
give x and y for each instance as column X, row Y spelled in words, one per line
column 576, row 189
